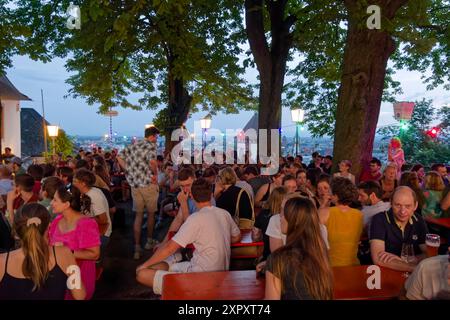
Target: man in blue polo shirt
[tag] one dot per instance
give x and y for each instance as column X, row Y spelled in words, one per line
column 400, row 225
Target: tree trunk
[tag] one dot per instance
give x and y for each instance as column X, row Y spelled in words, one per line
column 270, row 62
column 365, row 60
column 178, row 108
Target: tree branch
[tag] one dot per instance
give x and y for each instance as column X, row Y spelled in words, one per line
column 254, row 21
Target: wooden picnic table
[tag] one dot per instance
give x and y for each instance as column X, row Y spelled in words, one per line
column 350, row 283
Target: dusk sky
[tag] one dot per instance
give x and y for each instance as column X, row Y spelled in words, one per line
column 76, row 117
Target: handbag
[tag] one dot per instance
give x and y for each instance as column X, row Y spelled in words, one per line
column 244, row 223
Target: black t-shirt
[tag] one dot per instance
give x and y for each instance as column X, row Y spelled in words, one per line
column 383, row 227
column 291, row 291
column 325, row 169
column 228, row 199
column 261, row 222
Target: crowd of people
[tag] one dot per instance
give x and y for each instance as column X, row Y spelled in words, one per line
column 309, row 219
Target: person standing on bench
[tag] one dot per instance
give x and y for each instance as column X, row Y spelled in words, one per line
column 211, row 230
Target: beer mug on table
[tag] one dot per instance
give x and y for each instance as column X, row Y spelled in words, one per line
column 433, row 241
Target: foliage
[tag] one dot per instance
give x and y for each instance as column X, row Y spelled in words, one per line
column 63, row 144
column 418, row 146
column 124, row 49
column 421, row 30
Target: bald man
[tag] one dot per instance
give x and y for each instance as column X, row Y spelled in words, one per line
column 393, row 228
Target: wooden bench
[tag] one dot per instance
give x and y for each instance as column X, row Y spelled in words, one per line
column 349, row 283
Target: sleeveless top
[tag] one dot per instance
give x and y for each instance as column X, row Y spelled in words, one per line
column 344, row 232
column 54, row 288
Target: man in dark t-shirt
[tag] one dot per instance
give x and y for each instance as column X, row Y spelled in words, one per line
column 390, row 231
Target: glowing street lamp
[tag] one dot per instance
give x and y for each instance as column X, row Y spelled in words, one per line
column 205, row 123
column 53, row 133
column 298, row 115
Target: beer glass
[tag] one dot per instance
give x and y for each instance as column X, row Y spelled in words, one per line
column 433, row 241
column 407, row 254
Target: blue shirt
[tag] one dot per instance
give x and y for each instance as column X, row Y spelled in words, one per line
column 193, row 208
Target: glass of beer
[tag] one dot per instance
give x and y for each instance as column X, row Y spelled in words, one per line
column 433, row 241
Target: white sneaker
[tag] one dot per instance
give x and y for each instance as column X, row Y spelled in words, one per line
column 150, row 244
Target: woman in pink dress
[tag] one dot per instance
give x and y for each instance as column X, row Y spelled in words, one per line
column 396, row 155
column 78, row 232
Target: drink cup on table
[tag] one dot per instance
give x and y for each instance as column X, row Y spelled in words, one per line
column 433, row 241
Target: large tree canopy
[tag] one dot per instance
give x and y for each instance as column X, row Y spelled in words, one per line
column 181, row 54
column 346, row 87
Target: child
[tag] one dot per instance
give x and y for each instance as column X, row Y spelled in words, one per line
column 344, row 170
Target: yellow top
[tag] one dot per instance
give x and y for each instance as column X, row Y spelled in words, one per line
column 344, row 233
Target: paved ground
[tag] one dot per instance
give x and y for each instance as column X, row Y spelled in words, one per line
column 118, row 279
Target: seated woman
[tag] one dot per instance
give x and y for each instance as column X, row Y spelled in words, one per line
column 434, row 187
column 418, row 168
column 344, row 170
column 37, row 270
column 300, row 270
column 344, row 224
column 264, row 192
column 78, row 232
column 411, row 179
column 234, row 199
column 277, row 238
column 389, row 181
column 270, row 208
column 323, row 193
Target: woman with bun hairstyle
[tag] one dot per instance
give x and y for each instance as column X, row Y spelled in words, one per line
column 37, row 270
column 78, row 232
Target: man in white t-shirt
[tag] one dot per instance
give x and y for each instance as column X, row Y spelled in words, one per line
column 84, row 180
column 211, row 230
column 430, row 280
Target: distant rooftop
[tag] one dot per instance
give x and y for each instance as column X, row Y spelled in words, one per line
column 9, row 92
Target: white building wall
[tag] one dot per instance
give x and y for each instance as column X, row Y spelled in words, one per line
column 11, row 123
